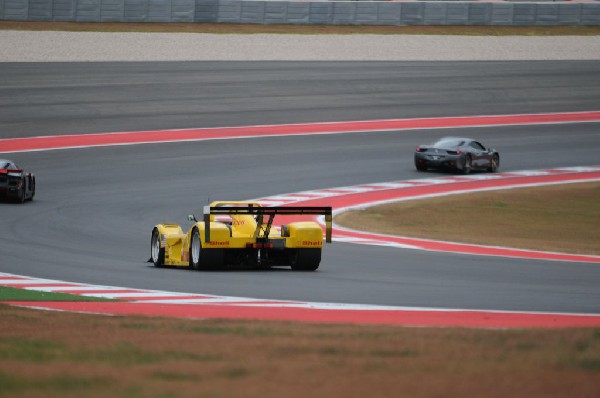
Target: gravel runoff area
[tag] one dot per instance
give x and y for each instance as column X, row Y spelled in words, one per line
column 53, row 46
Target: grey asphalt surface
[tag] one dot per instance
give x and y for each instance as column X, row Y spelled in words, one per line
column 55, row 46
column 74, row 98
column 95, row 208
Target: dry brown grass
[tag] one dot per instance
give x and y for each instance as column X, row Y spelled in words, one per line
column 560, row 218
column 222, row 28
column 72, row 355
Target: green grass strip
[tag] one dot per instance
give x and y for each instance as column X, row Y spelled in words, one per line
column 13, row 294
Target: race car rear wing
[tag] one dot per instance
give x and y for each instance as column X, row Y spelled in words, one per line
column 270, row 212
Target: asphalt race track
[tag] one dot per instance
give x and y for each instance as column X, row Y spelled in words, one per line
column 94, row 210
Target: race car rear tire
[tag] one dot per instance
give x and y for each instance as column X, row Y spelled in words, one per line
column 32, row 188
column 157, row 253
column 22, row 193
column 204, row 258
column 306, row 260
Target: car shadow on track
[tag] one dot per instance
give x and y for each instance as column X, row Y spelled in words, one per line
column 230, row 268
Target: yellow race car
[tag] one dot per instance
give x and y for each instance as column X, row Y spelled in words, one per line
column 242, row 233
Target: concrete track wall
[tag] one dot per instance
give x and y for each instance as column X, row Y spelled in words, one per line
column 281, row 12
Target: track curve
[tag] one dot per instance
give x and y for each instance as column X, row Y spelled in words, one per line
column 91, row 220
column 372, row 194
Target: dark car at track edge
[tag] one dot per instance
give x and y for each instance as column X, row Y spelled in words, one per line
column 457, row 154
column 15, row 183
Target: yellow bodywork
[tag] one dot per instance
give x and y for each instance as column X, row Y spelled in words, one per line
column 237, row 233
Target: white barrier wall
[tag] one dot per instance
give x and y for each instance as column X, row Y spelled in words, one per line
column 281, row 12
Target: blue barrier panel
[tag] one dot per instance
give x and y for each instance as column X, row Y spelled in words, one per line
column 112, row 10
column 501, row 14
column 389, row 13
column 158, row 11
column 63, row 10
column 229, row 11
column 524, row 14
column 590, row 14
column 569, row 15
column 282, row 12
column 206, row 10
column 366, row 13
column 136, row 11
column 298, row 13
column 547, row 14
column 480, row 13
column 412, row 13
column 16, row 10
column 457, row 13
column 87, row 11
column 40, row 10
column 182, row 10
column 253, row 12
column 343, row 13
column 321, row 13
column 275, row 12
column 435, row 13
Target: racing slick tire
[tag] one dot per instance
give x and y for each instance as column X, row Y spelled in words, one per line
column 32, row 188
column 306, row 260
column 157, row 253
column 495, row 163
column 22, row 194
column 195, row 250
column 204, row 259
column 420, row 167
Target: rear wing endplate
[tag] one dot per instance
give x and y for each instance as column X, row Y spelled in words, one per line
column 270, row 212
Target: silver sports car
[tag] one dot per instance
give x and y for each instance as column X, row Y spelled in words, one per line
column 457, row 154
